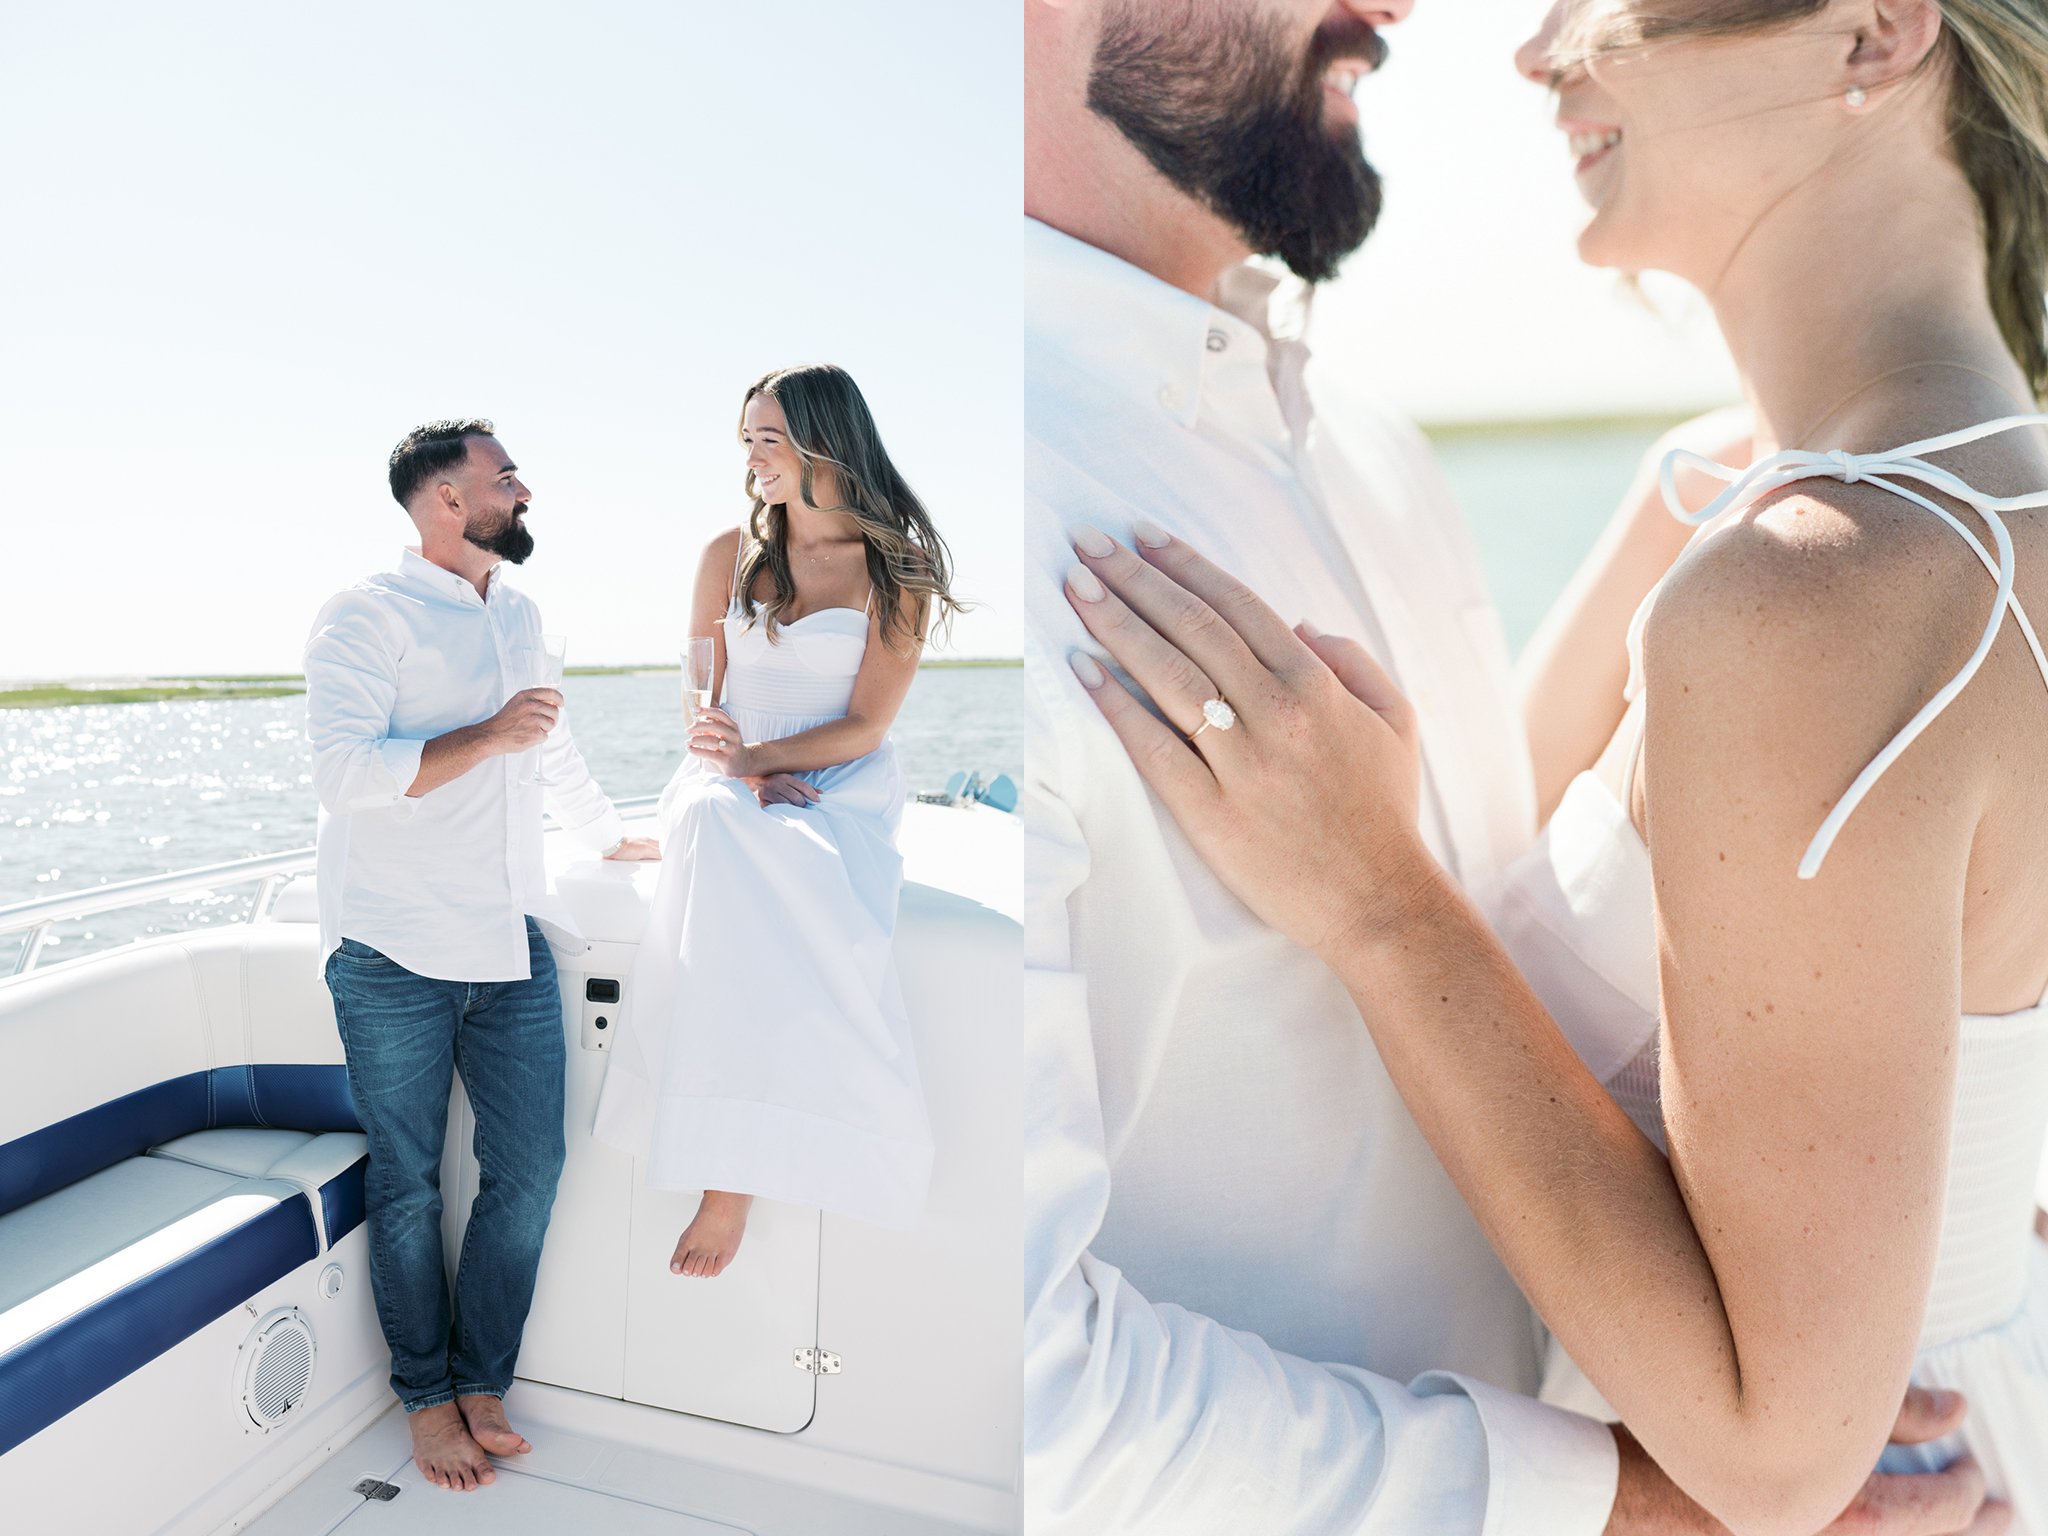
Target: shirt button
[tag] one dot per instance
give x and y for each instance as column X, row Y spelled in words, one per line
column 1169, row 397
column 1216, row 341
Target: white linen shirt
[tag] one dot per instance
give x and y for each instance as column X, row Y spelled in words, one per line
column 1238, row 1245
column 441, row 883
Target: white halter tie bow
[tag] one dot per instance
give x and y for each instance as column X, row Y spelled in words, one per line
column 1888, row 470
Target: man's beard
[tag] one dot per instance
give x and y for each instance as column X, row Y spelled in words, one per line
column 1223, row 112
column 509, row 539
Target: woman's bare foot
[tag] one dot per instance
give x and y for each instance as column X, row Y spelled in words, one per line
column 444, row 1451
column 485, row 1416
column 713, row 1236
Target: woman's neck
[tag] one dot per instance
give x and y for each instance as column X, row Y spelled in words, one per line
column 809, row 526
column 1833, row 295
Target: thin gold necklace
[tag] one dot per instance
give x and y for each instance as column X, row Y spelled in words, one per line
column 1868, row 384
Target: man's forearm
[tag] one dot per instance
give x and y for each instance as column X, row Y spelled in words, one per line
column 449, row 757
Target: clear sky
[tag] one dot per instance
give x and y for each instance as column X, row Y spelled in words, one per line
column 250, row 244
column 1469, row 302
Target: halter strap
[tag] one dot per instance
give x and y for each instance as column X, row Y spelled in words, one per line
column 733, row 604
column 1886, row 470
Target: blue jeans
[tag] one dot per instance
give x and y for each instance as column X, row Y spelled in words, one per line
column 404, row 1036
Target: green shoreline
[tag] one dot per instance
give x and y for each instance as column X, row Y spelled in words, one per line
column 275, row 685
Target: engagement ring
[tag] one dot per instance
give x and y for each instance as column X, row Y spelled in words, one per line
column 1217, row 713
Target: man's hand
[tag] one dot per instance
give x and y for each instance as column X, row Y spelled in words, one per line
column 1946, row 1503
column 636, row 848
column 522, row 724
column 525, row 720
column 782, row 789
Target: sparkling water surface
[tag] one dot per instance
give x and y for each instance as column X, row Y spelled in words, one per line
column 92, row 794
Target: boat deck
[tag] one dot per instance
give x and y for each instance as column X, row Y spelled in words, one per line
column 570, row 1482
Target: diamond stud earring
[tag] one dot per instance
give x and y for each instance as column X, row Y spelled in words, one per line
column 1855, row 96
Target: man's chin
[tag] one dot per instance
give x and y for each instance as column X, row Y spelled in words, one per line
column 513, row 550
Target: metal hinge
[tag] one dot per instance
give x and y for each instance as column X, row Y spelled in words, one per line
column 376, row 1488
column 819, row 1362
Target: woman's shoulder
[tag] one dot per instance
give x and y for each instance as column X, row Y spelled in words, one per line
column 1786, row 649
column 1827, row 574
column 721, row 556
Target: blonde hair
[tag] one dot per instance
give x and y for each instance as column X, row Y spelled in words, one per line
column 829, row 424
column 1996, row 52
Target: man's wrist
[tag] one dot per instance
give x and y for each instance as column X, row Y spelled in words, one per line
column 1647, row 1503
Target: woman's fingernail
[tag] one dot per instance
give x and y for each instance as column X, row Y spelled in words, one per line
column 1085, row 669
column 1149, row 533
column 1085, row 586
column 1093, row 541
column 1309, row 630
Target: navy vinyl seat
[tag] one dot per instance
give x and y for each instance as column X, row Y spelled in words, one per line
column 130, row 1226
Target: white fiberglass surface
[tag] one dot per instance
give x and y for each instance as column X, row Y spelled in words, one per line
column 520, row 1504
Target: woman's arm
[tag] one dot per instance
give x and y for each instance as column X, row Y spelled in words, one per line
column 712, row 596
column 1750, row 1307
column 879, row 689
column 1575, row 666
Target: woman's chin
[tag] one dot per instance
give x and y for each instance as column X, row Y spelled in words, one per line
column 1599, row 244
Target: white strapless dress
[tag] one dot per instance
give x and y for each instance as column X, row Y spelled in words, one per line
column 1577, row 914
column 765, row 1049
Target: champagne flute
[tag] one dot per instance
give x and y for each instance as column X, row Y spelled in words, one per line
column 699, row 659
column 554, row 655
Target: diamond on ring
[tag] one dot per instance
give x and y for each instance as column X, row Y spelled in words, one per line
column 1217, row 713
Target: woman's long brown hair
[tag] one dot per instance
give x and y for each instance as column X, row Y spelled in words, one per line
column 829, row 424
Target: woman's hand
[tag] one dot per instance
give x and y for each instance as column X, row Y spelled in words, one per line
column 783, row 789
column 1305, row 806
column 715, row 737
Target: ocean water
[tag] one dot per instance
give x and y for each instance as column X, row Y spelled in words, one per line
column 1537, row 499
column 92, row 794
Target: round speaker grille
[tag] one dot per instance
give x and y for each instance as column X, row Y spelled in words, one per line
column 276, row 1367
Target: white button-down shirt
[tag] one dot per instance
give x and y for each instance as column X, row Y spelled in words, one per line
column 441, row 883
column 1255, row 1302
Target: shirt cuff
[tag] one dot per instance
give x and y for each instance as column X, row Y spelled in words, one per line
column 601, row 833
column 1548, row 1470
column 400, row 758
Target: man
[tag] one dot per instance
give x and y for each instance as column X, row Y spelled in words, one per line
column 426, row 736
column 1225, row 1188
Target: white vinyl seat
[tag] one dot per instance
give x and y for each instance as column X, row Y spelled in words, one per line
column 65, row 1233
column 198, row 1154
column 327, row 1166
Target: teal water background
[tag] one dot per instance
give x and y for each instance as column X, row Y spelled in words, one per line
column 1537, row 498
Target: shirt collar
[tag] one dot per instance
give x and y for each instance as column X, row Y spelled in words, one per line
column 1121, row 324
column 418, row 568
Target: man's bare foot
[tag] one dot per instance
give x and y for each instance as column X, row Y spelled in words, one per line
column 444, row 1452
column 485, row 1416
column 713, row 1236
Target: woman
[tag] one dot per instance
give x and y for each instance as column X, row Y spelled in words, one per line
column 766, row 1051
column 1791, row 906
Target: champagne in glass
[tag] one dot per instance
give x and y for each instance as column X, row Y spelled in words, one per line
column 698, row 659
column 554, row 660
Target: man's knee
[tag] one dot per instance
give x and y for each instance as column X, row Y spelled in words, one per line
column 527, row 1169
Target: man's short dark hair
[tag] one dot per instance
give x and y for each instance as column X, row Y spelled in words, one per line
column 432, row 450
